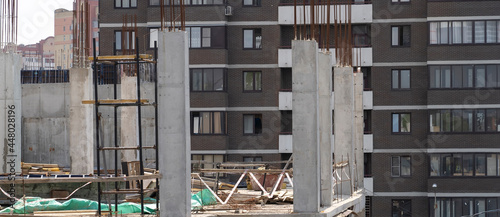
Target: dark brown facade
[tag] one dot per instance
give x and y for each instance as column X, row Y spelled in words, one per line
column 403, row 160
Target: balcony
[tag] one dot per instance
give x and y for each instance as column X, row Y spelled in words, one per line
column 285, row 57
column 362, row 13
column 285, row 100
column 368, row 186
column 286, row 141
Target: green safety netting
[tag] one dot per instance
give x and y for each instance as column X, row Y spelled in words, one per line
column 34, row 204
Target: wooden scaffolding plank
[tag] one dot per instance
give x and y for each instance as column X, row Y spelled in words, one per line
column 18, row 180
column 114, row 101
column 122, row 57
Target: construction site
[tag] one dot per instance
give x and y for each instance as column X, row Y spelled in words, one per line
column 128, row 123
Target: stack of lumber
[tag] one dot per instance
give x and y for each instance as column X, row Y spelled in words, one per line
column 41, row 169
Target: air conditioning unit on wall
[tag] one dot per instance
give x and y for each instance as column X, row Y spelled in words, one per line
column 228, row 11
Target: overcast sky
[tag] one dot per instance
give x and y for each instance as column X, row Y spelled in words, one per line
column 36, row 19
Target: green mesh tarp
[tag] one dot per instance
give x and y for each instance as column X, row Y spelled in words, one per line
column 33, row 204
column 39, row 204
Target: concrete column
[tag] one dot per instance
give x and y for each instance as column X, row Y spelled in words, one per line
column 11, row 115
column 306, row 148
column 175, row 141
column 325, row 127
column 81, row 122
column 344, row 122
column 359, row 129
column 128, row 126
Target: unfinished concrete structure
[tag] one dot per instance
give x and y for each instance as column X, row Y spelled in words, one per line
column 128, row 120
column 10, row 109
column 81, row 122
column 174, row 133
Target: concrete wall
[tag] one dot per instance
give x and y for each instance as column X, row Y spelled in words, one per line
column 45, row 123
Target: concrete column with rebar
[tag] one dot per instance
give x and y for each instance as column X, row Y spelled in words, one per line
column 81, row 120
column 306, row 147
column 344, row 127
column 359, row 130
column 174, row 138
column 325, row 127
column 10, row 109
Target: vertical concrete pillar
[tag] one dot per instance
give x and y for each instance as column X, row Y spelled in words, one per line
column 81, row 122
column 344, row 122
column 175, row 141
column 306, row 148
column 325, row 127
column 359, row 129
column 128, row 126
column 11, row 116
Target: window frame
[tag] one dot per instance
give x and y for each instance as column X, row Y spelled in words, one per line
column 464, row 174
column 212, row 130
column 474, row 79
column 254, row 90
column 400, row 166
column 399, row 79
column 121, row 36
column 254, row 39
column 255, row 3
column 399, row 122
column 187, row 3
column 473, row 121
column 463, row 33
column 191, row 77
column 400, row 31
column 129, row 3
column 400, row 1
column 254, row 131
column 399, row 201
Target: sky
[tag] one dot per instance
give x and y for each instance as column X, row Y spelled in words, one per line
column 36, row 19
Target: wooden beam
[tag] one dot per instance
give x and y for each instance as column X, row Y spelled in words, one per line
column 19, row 180
column 122, row 57
column 114, row 101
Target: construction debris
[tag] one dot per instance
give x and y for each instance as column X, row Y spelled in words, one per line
column 42, row 169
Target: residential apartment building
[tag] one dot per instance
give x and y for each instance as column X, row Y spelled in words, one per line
column 63, row 38
column 38, row 56
column 431, row 97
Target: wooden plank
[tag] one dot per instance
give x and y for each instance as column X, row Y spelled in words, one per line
column 114, row 101
column 18, row 180
column 122, row 57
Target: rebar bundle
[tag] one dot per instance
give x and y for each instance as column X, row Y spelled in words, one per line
column 8, row 25
column 173, row 18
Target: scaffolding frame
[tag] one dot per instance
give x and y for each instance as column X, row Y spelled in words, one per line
column 136, row 60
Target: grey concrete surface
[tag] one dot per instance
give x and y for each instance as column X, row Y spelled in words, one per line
column 344, row 123
column 10, row 112
column 81, row 119
column 305, row 130
column 128, row 125
column 325, row 127
column 359, row 129
column 174, row 136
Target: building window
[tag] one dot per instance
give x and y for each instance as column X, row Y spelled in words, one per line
column 465, row 165
column 252, row 38
column 198, row 37
column 368, row 164
column 208, row 80
column 464, row 76
column 401, row 208
column 187, row 2
column 464, row 32
column 286, row 122
column 125, row 3
column 401, row 79
column 361, row 35
column 95, row 24
column 206, row 161
column 208, row 122
column 64, row 28
column 401, row 36
column 399, row 1
column 125, row 40
column 252, row 81
column 401, row 166
column 464, row 120
column 401, row 122
column 252, row 124
column 445, row 207
column 251, row 3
